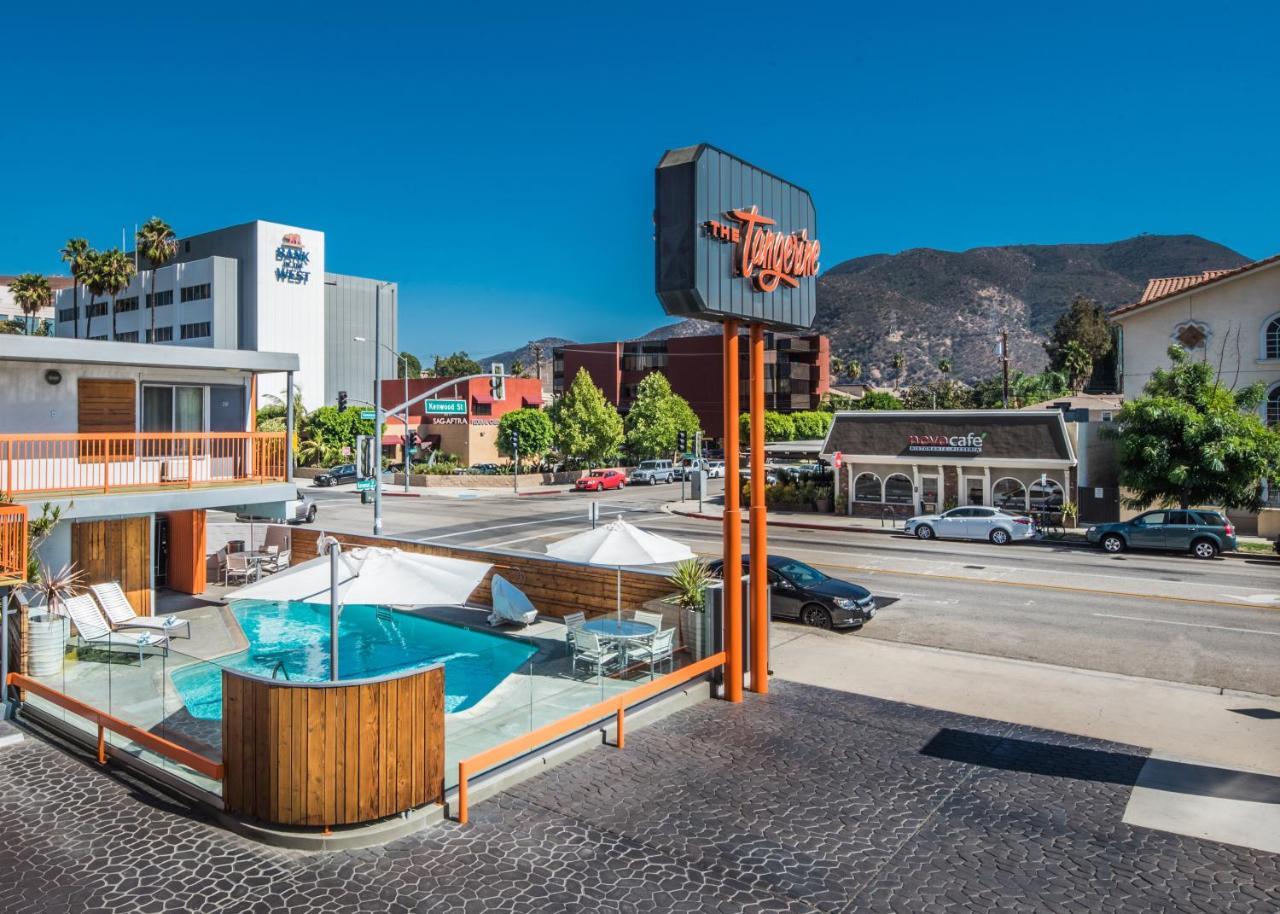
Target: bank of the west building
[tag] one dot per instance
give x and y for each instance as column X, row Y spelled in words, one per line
column 257, row 286
column 904, row 462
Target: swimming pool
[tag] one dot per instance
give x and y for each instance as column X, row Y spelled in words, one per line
column 293, row 639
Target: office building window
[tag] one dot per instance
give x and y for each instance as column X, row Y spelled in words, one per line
column 129, row 336
column 160, row 299
column 96, row 309
column 196, row 293
column 172, row 409
column 99, row 338
column 196, row 331
column 126, row 304
column 68, row 314
column 161, row 335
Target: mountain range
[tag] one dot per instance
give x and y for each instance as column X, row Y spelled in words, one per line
column 929, row 304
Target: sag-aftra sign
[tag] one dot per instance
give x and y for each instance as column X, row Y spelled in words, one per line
column 733, row 241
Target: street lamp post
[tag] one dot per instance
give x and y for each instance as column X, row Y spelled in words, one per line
column 377, row 408
column 404, row 372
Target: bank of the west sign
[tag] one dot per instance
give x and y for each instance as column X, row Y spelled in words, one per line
column 293, row 262
column 945, row 444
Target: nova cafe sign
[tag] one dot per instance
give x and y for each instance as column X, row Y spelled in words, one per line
column 767, row 257
column 945, row 444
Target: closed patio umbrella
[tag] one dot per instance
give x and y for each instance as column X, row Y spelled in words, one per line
column 618, row 544
column 369, row 575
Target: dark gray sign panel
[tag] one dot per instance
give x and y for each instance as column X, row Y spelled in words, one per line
column 733, row 242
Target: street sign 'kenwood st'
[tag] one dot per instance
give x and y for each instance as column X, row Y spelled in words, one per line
column 733, row 241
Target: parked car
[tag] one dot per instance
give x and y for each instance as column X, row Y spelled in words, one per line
column 974, row 522
column 652, row 472
column 744, row 473
column 336, row 476
column 1202, row 532
column 692, row 465
column 301, row 510
column 715, row 469
column 802, row 592
column 600, row 481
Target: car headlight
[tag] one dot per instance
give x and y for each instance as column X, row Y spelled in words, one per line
column 844, row 602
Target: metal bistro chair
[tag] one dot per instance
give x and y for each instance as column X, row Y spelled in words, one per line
column 239, row 566
column 655, row 650
column 591, row 649
column 572, row 622
column 648, row 618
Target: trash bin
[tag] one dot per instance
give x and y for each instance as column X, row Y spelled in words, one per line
column 235, row 546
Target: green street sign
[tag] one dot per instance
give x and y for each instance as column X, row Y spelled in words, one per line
column 444, row 407
column 366, row 485
column 368, row 414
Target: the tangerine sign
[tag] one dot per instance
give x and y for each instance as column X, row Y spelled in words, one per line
column 765, row 256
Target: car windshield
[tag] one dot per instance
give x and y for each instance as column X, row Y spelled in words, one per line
column 649, row 465
column 598, row 474
column 800, row 573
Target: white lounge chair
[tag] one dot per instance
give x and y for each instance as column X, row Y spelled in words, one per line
column 93, row 628
column 119, row 612
column 510, row 604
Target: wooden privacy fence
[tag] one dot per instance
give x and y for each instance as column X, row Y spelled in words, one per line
column 554, row 586
column 322, row 754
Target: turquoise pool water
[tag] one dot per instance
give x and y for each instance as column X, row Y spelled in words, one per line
column 295, row 637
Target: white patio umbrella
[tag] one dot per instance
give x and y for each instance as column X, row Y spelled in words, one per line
column 369, row 575
column 618, row 544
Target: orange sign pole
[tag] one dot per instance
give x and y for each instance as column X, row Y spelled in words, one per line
column 759, row 523
column 732, row 572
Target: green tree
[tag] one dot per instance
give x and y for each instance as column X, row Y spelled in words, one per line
column 536, row 432
column 777, row 426
column 853, row 369
column 941, row 394
column 456, row 365
column 156, row 242
column 11, row 328
column 1077, row 364
column 117, row 271
column 587, row 426
column 76, row 255
column 811, row 424
column 1188, row 440
column 326, row 431
column 31, row 292
column 656, row 417
column 95, row 282
column 408, row 362
column 944, row 366
column 877, row 399
column 517, row 368
column 1084, row 323
column 1024, row 389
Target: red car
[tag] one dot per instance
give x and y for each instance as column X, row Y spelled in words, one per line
column 600, row 480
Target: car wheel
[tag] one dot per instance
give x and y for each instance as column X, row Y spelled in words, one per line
column 1113, row 543
column 999, row 536
column 1204, row 549
column 311, row 514
column 924, row 532
column 816, row 616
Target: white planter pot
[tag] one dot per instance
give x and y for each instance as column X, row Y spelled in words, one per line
column 46, row 645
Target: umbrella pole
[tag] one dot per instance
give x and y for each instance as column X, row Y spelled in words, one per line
column 335, row 551
column 619, row 594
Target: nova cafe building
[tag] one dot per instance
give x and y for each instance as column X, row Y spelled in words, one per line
column 904, row 462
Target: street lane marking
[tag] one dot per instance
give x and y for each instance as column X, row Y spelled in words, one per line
column 1221, row 628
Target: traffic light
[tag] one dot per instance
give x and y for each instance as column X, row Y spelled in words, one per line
column 497, row 383
column 515, row 440
column 682, row 441
column 412, row 440
column 342, row 400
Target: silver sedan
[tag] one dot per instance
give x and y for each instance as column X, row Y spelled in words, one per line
column 974, row 522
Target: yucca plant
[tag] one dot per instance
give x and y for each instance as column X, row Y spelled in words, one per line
column 54, row 586
column 690, row 579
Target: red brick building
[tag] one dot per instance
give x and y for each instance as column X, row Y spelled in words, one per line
column 797, row 371
column 472, row 435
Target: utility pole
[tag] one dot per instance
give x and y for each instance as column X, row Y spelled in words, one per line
column 377, row 414
column 1004, row 359
column 537, row 360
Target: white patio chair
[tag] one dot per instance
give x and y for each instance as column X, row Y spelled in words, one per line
column 573, row 622
column 281, row 559
column 654, row 650
column 592, row 650
column 93, row 628
column 239, row 567
column 510, row 604
column 120, row 613
column 648, row 618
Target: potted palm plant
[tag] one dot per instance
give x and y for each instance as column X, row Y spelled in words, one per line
column 46, row 626
column 690, row 579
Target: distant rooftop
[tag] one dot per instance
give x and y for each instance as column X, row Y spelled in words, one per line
column 1165, row 287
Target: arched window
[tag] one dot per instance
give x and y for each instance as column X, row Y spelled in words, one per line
column 1046, row 495
column 1271, row 339
column 1273, row 406
column 898, row 490
column 1009, row 493
column 867, row 487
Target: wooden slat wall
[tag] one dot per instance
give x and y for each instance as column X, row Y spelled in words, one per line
column 187, row 546
column 107, row 406
column 315, row 755
column 116, row 550
column 555, row 588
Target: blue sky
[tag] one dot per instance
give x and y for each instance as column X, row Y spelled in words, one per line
column 497, row 160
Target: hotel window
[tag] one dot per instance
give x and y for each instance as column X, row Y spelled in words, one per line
column 160, row 299
column 172, row 409
column 129, row 336
column 96, row 309
column 1273, row 340
column 1273, row 407
column 161, row 335
column 126, row 304
column 196, row 293
column 195, row 331
column 67, row 314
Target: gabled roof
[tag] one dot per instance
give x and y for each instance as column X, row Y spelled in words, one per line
column 1159, row 290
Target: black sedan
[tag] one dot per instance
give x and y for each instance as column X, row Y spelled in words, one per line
column 804, row 593
column 345, row 472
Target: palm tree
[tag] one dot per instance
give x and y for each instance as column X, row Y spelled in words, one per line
column 76, row 254
column 31, row 291
column 94, row 283
column 944, row 366
column 159, row 245
column 117, row 272
column 853, row 368
column 899, row 362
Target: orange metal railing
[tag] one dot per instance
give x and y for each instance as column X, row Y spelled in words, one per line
column 13, row 544
column 87, row 463
column 615, row 707
column 104, row 721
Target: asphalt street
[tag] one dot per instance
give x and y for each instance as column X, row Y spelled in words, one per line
column 1169, row 617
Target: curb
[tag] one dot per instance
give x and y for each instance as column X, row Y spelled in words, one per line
column 534, row 494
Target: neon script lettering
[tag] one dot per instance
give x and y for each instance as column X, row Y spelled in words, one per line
column 767, row 257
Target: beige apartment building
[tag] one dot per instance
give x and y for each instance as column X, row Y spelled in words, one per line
column 1230, row 318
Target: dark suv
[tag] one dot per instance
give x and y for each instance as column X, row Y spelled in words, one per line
column 1201, row 532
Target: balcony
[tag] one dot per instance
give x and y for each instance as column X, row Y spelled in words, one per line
column 13, row 544
column 99, row 464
